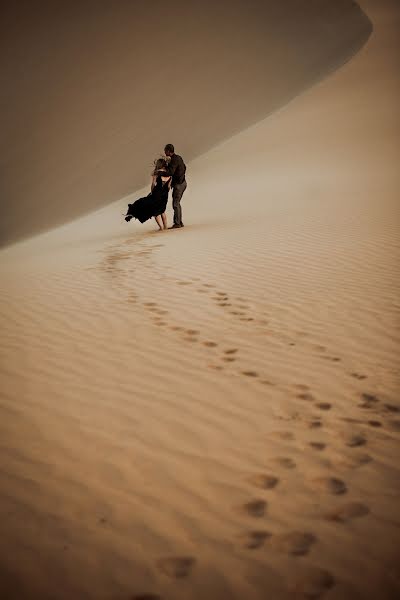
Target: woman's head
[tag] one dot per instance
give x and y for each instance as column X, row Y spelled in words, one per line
column 160, row 164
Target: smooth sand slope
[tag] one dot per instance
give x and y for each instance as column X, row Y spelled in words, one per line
column 213, row 413
column 93, row 90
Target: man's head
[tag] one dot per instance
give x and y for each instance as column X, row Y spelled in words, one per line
column 169, row 150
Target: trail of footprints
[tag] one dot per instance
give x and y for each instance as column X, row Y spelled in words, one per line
column 224, row 357
column 239, row 309
column 308, row 579
column 308, row 582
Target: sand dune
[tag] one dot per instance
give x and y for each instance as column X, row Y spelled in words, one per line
column 213, row 412
column 94, row 92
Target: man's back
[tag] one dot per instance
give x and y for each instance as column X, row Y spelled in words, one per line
column 177, row 169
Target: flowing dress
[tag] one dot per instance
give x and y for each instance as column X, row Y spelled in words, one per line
column 152, row 205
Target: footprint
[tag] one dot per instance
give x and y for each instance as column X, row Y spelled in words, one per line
column 374, row 423
column 305, row 396
column 210, row 344
column 231, row 351
column 315, row 424
column 216, row 367
column 347, row 512
column 208, row 285
column 318, row 445
column 150, row 304
column 394, row 425
column 356, row 440
column 192, row 331
column 255, row 508
column 297, row 543
column 228, row 358
column 250, row 373
column 176, row 567
column 190, row 339
column 254, row 539
column 324, row 405
column 311, row 583
column 357, row 460
column 368, row 401
column 184, row 282
column 265, row 482
column 358, row 376
column 392, row 408
column 332, row 485
column 283, row 461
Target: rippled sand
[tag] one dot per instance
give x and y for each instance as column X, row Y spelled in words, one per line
column 213, row 413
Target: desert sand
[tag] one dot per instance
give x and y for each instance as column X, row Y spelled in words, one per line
column 213, row 412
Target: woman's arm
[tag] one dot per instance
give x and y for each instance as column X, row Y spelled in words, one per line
column 153, row 182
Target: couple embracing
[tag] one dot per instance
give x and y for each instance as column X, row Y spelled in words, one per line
column 169, row 172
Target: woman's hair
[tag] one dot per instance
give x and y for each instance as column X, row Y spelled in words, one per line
column 160, row 164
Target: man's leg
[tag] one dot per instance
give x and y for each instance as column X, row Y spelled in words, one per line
column 177, row 194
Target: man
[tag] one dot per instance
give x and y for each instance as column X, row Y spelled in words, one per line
column 177, row 169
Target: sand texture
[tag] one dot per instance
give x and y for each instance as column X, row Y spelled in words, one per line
column 213, row 413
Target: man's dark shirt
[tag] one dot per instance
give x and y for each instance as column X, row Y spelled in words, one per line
column 177, row 169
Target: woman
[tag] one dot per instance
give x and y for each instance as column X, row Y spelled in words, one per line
column 155, row 204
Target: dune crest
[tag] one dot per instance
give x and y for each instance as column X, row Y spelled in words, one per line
column 94, row 92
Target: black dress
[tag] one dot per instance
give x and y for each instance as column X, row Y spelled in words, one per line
column 150, row 206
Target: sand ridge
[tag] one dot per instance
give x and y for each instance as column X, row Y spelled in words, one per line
column 92, row 90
